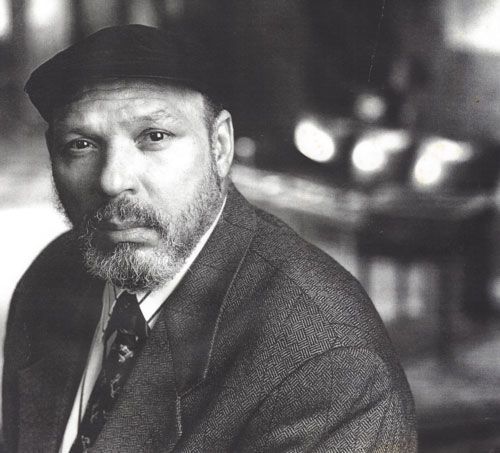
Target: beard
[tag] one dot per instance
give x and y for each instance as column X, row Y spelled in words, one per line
column 131, row 267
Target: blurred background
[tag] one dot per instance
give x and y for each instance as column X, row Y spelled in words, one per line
column 371, row 126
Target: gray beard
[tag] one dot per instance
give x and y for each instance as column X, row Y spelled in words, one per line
column 129, row 267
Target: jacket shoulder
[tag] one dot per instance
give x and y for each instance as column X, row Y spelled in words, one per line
column 295, row 308
column 54, row 273
column 56, row 262
column 325, row 287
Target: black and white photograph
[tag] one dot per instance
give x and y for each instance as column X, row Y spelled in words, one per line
column 250, row 226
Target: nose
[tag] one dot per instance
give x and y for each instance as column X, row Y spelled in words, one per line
column 118, row 170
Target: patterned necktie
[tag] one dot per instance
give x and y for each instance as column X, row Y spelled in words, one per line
column 126, row 331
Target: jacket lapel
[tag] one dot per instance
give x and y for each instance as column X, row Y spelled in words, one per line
column 43, row 399
column 192, row 311
column 145, row 417
column 47, row 388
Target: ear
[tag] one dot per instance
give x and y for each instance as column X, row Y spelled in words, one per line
column 223, row 142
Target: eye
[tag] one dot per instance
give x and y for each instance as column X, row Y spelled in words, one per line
column 79, row 145
column 152, row 139
column 156, row 136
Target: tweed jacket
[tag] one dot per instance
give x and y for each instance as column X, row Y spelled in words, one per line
column 266, row 345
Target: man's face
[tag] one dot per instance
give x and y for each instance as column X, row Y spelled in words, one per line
column 134, row 169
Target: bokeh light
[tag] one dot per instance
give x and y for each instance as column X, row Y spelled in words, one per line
column 434, row 155
column 41, row 13
column 372, row 151
column 314, row 142
column 5, row 20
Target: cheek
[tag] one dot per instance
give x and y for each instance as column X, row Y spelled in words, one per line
column 70, row 179
column 175, row 177
column 73, row 186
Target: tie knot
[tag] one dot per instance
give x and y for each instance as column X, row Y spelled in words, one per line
column 126, row 301
column 127, row 317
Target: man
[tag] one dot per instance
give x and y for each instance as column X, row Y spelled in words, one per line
column 174, row 316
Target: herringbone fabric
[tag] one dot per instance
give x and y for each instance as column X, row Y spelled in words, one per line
column 129, row 329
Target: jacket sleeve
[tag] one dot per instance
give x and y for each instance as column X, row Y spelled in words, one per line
column 344, row 400
column 16, row 356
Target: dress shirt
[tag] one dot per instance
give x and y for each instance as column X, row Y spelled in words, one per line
column 150, row 305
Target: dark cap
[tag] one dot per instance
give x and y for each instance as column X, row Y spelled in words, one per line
column 128, row 51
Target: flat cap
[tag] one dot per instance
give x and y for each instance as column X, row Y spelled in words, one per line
column 127, row 51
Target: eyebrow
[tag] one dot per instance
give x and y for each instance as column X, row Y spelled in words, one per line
column 154, row 116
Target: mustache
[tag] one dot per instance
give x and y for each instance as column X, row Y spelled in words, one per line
column 125, row 211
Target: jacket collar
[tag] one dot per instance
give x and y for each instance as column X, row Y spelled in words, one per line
column 192, row 312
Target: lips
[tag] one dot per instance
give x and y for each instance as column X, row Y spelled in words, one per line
column 128, row 231
column 111, row 225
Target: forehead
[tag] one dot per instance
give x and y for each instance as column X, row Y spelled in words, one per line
column 129, row 99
